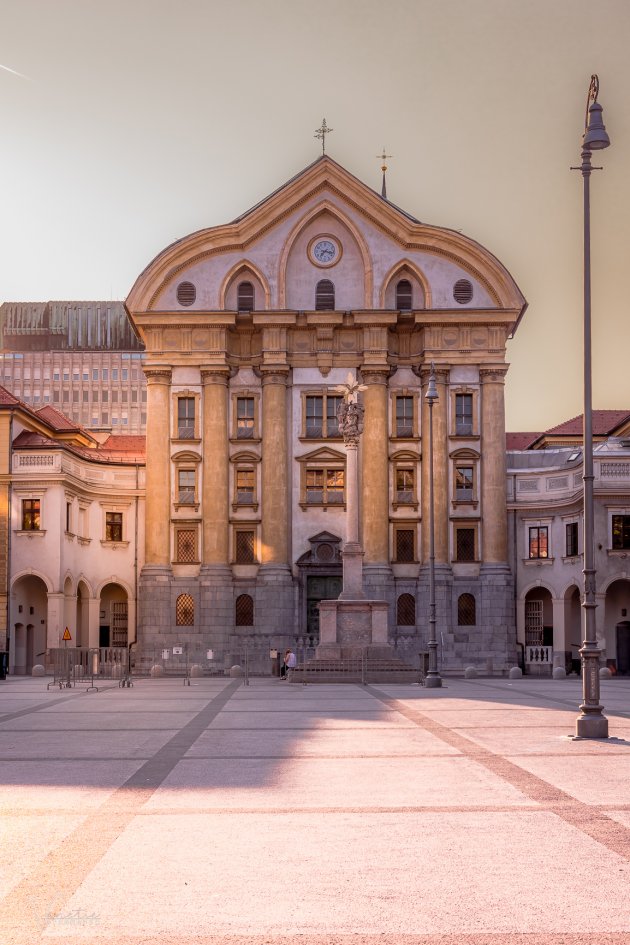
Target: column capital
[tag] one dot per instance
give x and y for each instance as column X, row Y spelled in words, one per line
column 274, row 376
column 218, row 376
column 372, row 375
column 493, row 375
column 442, row 374
column 158, row 375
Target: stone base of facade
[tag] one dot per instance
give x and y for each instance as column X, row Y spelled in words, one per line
column 275, row 602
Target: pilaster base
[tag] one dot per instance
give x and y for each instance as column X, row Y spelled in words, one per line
column 275, row 607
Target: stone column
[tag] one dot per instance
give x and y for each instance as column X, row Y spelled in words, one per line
column 350, row 417
column 375, row 470
column 54, row 630
column 158, row 478
column 440, row 467
column 275, row 487
column 215, row 472
column 93, row 621
column 274, row 604
column 493, row 468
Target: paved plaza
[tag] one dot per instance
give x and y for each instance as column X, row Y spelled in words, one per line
column 276, row 813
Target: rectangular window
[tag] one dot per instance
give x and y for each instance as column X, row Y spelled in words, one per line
column 464, row 483
column 185, row 418
column 95, row 394
column 66, row 376
column 465, row 544
column 85, row 396
column 315, row 416
column 186, row 486
column 114, row 396
column 405, row 550
column 105, row 374
column 125, row 394
column 86, row 376
column 134, row 396
column 105, row 396
column 244, row 418
column 572, row 539
column 463, row 414
column 404, row 416
column 113, row 526
column 104, row 418
column 186, row 546
column 66, row 396
column 114, row 374
column 55, row 375
column 55, row 397
column 75, row 396
column 31, row 515
column 125, row 374
column 94, row 375
column 405, row 482
column 539, row 541
column 245, row 547
column 245, row 486
column 324, row 486
column 620, row 532
column 68, row 516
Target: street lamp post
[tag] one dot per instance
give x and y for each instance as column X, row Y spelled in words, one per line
column 433, row 680
column 591, row 723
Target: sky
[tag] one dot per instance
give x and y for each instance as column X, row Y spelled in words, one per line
column 134, row 122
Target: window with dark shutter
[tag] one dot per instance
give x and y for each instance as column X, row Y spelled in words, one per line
column 466, row 610
column 404, row 295
column 325, row 296
column 245, row 297
column 406, row 610
column 244, row 615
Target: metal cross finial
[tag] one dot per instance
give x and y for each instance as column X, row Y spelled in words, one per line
column 383, row 157
column 322, row 132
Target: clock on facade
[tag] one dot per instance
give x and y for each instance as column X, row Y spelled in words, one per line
column 324, row 251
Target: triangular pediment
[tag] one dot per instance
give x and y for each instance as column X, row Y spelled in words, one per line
column 324, row 454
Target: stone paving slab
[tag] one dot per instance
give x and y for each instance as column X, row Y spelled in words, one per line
column 343, row 815
column 283, row 874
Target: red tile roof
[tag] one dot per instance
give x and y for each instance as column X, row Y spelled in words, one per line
column 605, row 422
column 121, row 443
column 56, row 419
column 520, row 441
column 7, row 398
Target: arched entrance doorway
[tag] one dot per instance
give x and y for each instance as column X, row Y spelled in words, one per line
column 320, row 579
column 617, row 626
column 114, row 616
column 538, row 631
column 29, row 610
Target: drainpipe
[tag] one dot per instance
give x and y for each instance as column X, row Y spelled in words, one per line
column 515, row 564
column 135, row 568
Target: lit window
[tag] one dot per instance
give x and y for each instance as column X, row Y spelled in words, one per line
column 572, row 538
column 620, row 532
column 405, row 485
column 244, row 418
column 464, row 483
column 245, row 486
column 324, row 486
column 539, row 541
column 31, row 515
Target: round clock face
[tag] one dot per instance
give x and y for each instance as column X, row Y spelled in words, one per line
column 325, row 251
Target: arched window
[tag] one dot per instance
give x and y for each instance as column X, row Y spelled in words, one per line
column 244, row 611
column 404, row 295
column 325, row 296
column 185, row 611
column 406, row 610
column 466, row 611
column 245, row 297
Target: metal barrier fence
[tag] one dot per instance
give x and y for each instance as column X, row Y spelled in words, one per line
column 75, row 666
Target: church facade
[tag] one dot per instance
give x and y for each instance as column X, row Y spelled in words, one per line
column 248, row 329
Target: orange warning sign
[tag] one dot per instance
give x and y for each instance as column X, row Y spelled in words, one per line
column 66, row 635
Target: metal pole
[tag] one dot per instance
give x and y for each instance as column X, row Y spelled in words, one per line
column 433, row 679
column 591, row 723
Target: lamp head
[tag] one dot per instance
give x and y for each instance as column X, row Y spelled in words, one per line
column 595, row 136
column 432, row 392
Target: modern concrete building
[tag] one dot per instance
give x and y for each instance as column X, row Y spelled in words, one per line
column 82, row 357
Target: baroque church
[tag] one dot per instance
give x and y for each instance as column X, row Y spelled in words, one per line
column 248, row 329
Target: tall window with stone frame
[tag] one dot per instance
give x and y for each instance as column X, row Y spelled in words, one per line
column 404, row 295
column 186, row 418
column 463, row 414
column 404, row 416
column 184, row 611
column 405, row 485
column 186, row 546
column 245, row 486
column 405, row 545
column 465, row 544
column 539, row 541
column 113, row 526
column 31, row 515
column 464, row 483
column 186, row 486
column 466, row 610
column 245, row 418
column 320, row 416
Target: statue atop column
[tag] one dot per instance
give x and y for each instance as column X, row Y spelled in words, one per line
column 350, row 413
